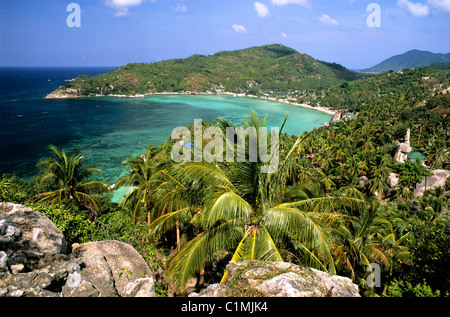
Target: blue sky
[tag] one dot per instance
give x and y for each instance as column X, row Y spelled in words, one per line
column 117, row 32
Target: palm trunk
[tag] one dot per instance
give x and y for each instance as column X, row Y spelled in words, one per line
column 178, row 233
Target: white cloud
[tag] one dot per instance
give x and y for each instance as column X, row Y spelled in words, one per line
column 261, row 9
column 181, row 7
column 443, row 5
column 305, row 3
column 121, row 6
column 417, row 9
column 239, row 28
column 283, row 35
column 327, row 20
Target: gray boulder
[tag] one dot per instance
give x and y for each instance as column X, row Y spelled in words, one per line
column 110, row 266
column 279, row 279
column 27, row 234
column 33, row 262
column 438, row 179
column 143, row 287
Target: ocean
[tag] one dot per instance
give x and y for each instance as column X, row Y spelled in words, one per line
column 111, row 129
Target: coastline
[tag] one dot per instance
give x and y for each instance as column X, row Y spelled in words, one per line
column 57, row 95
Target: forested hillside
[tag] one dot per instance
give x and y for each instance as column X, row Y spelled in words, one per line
column 269, row 67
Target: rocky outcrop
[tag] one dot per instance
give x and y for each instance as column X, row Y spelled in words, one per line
column 438, row 179
column 110, row 266
column 28, row 234
column 338, row 116
column 278, row 279
column 393, row 180
column 33, row 262
column 402, row 150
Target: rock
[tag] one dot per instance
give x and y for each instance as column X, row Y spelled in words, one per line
column 143, row 287
column 3, row 259
column 278, row 279
column 17, row 268
column 338, row 116
column 416, row 206
column 394, row 180
column 400, row 153
column 408, row 137
column 33, row 262
column 405, row 148
column 432, row 182
column 110, row 265
column 23, row 230
column 363, row 180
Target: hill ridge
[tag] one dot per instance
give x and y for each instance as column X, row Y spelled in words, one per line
column 409, row 59
column 252, row 69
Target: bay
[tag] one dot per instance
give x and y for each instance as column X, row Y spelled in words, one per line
column 111, row 129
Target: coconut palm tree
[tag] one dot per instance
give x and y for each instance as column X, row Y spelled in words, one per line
column 362, row 239
column 138, row 201
column 241, row 210
column 437, row 154
column 66, row 177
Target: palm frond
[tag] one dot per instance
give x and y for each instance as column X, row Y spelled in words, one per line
column 227, row 206
column 200, row 250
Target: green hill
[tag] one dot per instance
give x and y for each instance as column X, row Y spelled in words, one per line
column 440, row 66
column 413, row 86
column 414, row 58
column 268, row 67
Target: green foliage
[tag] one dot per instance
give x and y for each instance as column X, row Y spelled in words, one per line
column 430, row 250
column 64, row 176
column 411, row 173
column 440, row 66
column 14, row 189
column 406, row 289
column 72, row 222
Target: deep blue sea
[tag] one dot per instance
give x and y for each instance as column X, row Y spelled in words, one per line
column 110, row 129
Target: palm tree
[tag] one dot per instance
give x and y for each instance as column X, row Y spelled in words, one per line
column 66, row 176
column 140, row 179
column 362, row 240
column 437, row 154
column 241, row 210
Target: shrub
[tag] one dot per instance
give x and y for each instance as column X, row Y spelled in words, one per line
column 72, row 222
column 406, row 289
column 13, row 189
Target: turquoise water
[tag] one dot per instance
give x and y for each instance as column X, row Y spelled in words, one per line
column 112, row 129
column 150, row 120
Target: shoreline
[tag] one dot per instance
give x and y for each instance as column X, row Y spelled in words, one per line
column 322, row 109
